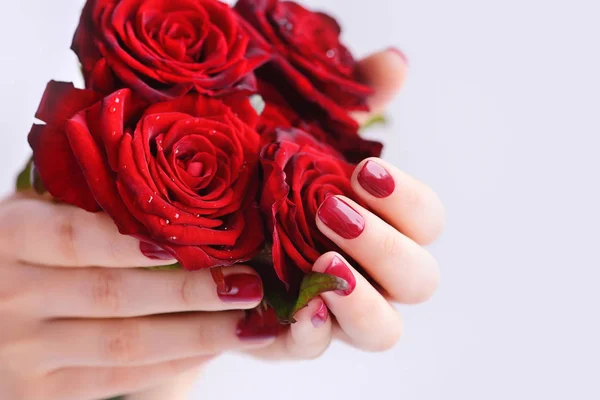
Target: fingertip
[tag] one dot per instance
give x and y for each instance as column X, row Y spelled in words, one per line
column 385, row 71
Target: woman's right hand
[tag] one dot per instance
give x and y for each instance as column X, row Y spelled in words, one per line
column 79, row 321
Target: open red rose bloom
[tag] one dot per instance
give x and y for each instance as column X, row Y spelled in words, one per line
column 212, row 132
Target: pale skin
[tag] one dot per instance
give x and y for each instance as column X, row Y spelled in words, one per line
column 79, row 322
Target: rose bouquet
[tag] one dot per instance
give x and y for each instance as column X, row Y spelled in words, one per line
column 213, row 133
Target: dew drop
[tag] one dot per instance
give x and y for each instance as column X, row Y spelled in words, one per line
column 330, row 53
column 213, row 132
column 198, row 216
column 157, row 117
column 113, row 109
column 117, row 100
column 173, row 238
column 165, row 222
column 114, row 133
column 150, row 199
column 176, row 216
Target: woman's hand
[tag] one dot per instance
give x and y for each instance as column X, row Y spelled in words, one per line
column 387, row 243
column 78, row 322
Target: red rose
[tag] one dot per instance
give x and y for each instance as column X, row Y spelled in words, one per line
column 313, row 70
column 299, row 174
column 278, row 113
column 181, row 174
column 165, row 48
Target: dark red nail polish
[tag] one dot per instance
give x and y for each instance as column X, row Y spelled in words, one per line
column 338, row 268
column 242, row 288
column 154, row 252
column 376, row 180
column 341, row 218
column 258, row 325
column 320, row 316
column 399, row 53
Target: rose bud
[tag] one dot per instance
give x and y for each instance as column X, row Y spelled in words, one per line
column 165, row 49
column 312, row 70
column 181, row 174
column 299, row 174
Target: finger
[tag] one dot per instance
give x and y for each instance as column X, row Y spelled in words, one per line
column 140, row 341
column 106, row 292
column 305, row 339
column 105, row 382
column 403, row 268
column 368, row 320
column 385, row 72
column 407, row 204
column 40, row 232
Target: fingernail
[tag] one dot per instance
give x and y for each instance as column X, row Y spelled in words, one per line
column 376, row 180
column 258, row 325
column 154, row 252
column 242, row 288
column 399, row 53
column 320, row 316
column 337, row 267
column 341, row 218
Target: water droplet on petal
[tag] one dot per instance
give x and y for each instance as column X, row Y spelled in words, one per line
column 176, row 216
column 113, row 109
column 331, row 53
column 173, row 238
column 165, row 222
column 114, row 133
column 198, row 216
column 117, row 100
column 157, row 117
column 150, row 199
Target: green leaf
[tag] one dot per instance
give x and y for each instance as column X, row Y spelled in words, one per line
column 313, row 284
column 24, row 179
column 172, row 267
column 375, row 120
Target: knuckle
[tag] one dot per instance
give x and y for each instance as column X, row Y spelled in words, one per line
column 123, row 345
column 386, row 340
column 67, row 235
column 105, row 291
column 380, row 330
column 187, row 290
column 392, row 245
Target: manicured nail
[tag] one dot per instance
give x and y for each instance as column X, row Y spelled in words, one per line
column 399, row 53
column 242, row 288
column 154, row 252
column 337, row 267
column 376, row 180
column 258, row 325
column 341, row 218
column 320, row 316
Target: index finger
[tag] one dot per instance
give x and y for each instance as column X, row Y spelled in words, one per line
column 38, row 232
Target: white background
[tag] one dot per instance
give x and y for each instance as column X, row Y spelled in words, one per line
column 501, row 115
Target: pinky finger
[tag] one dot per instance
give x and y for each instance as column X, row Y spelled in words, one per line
column 96, row 383
column 306, row 339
